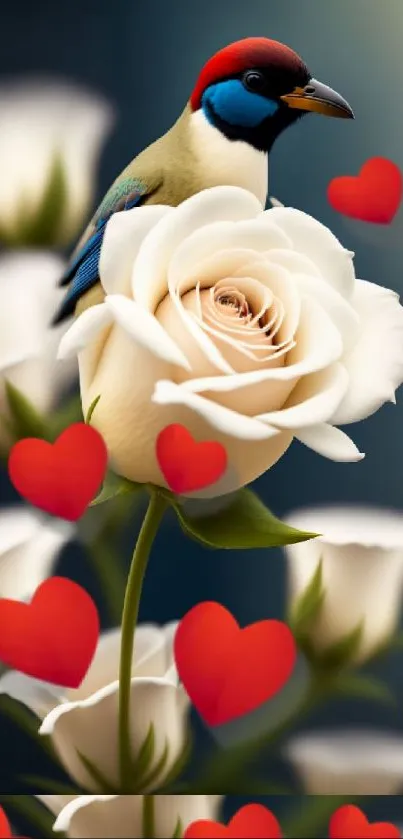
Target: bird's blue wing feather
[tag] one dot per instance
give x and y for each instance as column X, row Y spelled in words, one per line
column 82, row 272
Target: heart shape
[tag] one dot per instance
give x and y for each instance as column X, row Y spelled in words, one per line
column 251, row 822
column 228, row 671
column 61, row 478
column 186, row 464
column 374, row 195
column 349, row 822
column 52, row 638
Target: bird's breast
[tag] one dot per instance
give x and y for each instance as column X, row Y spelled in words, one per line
column 227, row 162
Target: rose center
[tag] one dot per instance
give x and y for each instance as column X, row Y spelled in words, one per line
column 231, row 302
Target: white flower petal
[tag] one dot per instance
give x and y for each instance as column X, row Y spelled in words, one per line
column 123, row 237
column 341, row 312
column 330, row 442
column 375, row 362
column 342, row 762
column 42, row 121
column 145, row 329
column 360, row 549
column 29, row 547
column 84, row 329
column 313, row 400
column 223, row 419
column 312, row 238
column 149, row 659
column 75, row 727
column 223, row 203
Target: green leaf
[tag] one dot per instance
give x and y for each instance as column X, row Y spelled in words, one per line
column 365, row 687
column 148, row 779
column 342, row 653
column 25, row 421
column 178, row 832
column 114, row 485
column 179, row 765
column 91, row 409
column 144, row 758
column 244, row 523
column 68, row 413
column 99, row 779
column 307, row 607
column 41, row 784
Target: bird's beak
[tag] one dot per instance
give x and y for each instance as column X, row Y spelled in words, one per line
column 320, row 99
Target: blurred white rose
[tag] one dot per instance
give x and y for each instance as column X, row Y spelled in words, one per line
column 29, row 547
column 51, row 136
column 348, row 762
column 248, row 327
column 86, row 720
column 121, row 816
column 28, row 345
column 361, row 550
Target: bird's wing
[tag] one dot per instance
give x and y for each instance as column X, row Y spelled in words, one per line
column 82, row 271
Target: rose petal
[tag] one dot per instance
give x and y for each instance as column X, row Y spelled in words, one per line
column 312, row 238
column 329, row 442
column 75, row 726
column 313, row 400
column 375, row 362
column 123, row 237
column 223, row 419
column 84, row 330
column 145, row 329
column 318, row 345
column 256, row 235
column 223, row 203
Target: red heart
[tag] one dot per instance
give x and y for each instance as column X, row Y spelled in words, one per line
column 61, row 478
column 5, row 831
column 228, row 671
column 187, row 465
column 52, row 638
column 251, row 822
column 350, row 822
column 373, row 196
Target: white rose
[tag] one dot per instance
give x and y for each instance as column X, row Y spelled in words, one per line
column 86, row 720
column 362, row 572
column 248, row 327
column 348, row 762
column 43, row 123
column 28, row 346
column 121, row 816
column 29, row 547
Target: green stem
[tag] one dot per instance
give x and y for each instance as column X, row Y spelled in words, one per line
column 152, row 520
column 32, row 811
column 148, row 817
column 307, row 823
column 105, row 558
column 226, row 772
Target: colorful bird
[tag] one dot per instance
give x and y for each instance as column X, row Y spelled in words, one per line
column 245, row 96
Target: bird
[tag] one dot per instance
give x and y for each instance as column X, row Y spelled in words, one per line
column 246, row 95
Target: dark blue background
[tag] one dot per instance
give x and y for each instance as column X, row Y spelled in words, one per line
column 145, row 57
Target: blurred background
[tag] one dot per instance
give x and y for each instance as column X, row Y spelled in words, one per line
column 140, row 62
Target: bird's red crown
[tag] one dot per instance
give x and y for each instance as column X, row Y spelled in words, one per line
column 242, row 55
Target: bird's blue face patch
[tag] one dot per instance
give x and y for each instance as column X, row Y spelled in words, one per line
column 235, row 105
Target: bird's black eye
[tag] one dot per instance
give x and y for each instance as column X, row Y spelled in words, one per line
column 254, row 80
